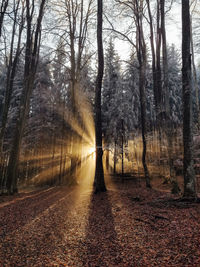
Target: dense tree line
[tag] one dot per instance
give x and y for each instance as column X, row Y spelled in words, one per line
column 49, row 81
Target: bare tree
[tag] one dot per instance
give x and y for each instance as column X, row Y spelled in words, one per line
column 77, row 14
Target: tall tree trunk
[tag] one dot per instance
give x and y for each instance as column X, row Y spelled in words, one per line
column 99, row 174
column 195, row 78
column 74, row 88
column 62, row 144
column 141, row 54
column 107, row 159
column 122, row 147
column 153, row 54
column 158, row 70
column 115, row 158
column 188, row 169
column 156, row 66
column 143, row 121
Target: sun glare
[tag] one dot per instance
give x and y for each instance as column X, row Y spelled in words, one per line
column 91, row 150
column 55, row 163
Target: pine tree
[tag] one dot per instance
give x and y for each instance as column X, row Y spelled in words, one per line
column 110, row 94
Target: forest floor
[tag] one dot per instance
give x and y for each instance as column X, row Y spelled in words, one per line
column 128, row 225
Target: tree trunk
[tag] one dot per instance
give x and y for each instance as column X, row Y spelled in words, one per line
column 62, row 145
column 122, row 144
column 141, row 54
column 195, row 78
column 143, row 121
column 156, row 66
column 188, row 169
column 107, row 160
column 99, row 183
column 115, row 158
column 158, row 81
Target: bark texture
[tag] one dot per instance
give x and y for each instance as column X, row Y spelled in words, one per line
column 141, row 55
column 99, row 174
column 188, row 169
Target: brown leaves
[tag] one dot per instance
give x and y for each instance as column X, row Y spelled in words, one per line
column 127, row 226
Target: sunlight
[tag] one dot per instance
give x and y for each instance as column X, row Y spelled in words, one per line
column 56, row 163
column 91, row 150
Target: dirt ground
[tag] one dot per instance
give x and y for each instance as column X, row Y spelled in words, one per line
column 128, row 225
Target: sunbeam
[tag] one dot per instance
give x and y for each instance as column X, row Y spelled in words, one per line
column 55, row 163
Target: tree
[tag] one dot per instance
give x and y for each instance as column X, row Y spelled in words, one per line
column 175, row 90
column 111, row 101
column 166, row 95
column 99, row 173
column 136, row 9
column 109, row 90
column 12, row 66
column 33, row 38
column 121, row 105
column 61, row 92
column 3, row 7
column 155, row 42
column 188, row 169
column 142, row 60
column 77, row 16
column 132, row 94
column 194, row 11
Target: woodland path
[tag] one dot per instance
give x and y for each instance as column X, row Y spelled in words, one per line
column 126, row 226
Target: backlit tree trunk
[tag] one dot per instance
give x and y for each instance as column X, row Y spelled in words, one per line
column 99, row 183
column 188, row 169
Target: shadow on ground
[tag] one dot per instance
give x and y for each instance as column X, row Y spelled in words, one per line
column 101, row 242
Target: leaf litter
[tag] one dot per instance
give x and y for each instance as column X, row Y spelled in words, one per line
column 128, row 225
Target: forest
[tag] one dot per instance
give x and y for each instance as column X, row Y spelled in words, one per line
column 99, row 133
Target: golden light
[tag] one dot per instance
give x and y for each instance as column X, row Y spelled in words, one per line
column 91, row 150
column 54, row 163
